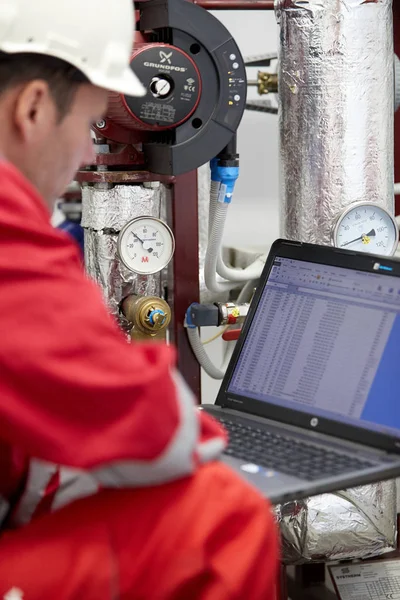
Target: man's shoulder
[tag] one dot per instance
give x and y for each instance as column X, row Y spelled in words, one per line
column 18, row 197
column 28, row 240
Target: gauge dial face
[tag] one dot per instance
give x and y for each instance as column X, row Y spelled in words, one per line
column 366, row 227
column 146, row 245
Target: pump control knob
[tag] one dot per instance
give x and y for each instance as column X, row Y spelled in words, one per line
column 160, row 87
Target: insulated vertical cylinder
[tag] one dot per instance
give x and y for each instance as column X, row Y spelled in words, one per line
column 336, row 91
column 105, row 212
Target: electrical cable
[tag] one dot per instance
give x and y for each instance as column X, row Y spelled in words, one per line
column 216, row 336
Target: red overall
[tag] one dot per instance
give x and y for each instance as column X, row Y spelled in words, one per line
column 80, row 410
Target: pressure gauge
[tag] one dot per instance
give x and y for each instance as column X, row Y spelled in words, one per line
column 366, row 227
column 146, row 245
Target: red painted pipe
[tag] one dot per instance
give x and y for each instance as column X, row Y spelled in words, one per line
column 236, row 4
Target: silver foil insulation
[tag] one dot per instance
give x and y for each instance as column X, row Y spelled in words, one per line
column 357, row 523
column 336, row 94
column 336, row 143
column 104, row 214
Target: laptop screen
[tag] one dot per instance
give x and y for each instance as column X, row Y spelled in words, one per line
column 325, row 340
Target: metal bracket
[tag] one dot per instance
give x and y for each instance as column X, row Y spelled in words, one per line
column 263, row 106
column 260, row 60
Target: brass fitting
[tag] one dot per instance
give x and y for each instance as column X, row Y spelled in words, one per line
column 149, row 315
column 266, row 83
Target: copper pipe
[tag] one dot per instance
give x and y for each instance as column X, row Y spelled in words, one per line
column 236, row 4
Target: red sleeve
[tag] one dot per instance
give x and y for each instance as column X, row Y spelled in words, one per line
column 72, row 391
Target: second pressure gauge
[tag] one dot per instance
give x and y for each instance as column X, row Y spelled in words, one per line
column 146, row 245
column 366, row 227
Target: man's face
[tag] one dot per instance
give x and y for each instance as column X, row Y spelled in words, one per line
column 68, row 145
column 46, row 150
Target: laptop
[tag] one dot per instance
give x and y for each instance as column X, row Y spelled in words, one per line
column 311, row 397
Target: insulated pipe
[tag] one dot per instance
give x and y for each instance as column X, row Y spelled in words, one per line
column 396, row 26
column 235, row 4
column 336, row 93
column 104, row 213
column 396, row 82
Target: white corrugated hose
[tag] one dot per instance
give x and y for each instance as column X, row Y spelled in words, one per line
column 199, row 350
column 214, row 265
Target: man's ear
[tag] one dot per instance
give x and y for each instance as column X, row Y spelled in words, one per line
column 35, row 110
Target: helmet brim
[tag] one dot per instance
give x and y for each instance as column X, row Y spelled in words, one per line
column 129, row 84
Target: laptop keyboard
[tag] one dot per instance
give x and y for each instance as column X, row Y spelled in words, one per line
column 286, row 454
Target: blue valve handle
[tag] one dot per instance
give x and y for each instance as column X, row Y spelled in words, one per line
column 154, row 313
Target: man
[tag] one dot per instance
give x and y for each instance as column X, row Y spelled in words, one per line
column 81, row 411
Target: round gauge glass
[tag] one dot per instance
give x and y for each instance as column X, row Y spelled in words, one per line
column 366, row 227
column 146, row 245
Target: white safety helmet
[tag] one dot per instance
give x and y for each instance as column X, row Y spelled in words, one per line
column 95, row 36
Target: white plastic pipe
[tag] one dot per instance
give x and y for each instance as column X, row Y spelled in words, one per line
column 213, row 263
column 253, row 271
column 397, row 189
column 213, row 252
column 202, row 356
column 214, row 193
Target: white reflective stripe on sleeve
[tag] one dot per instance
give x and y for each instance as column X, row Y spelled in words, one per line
column 40, row 474
column 176, row 461
column 74, row 484
column 210, row 450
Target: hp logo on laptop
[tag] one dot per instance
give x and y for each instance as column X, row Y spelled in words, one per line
column 314, row 422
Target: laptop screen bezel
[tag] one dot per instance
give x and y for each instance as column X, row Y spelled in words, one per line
column 324, row 255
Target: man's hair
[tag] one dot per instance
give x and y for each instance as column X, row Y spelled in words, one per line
column 62, row 78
